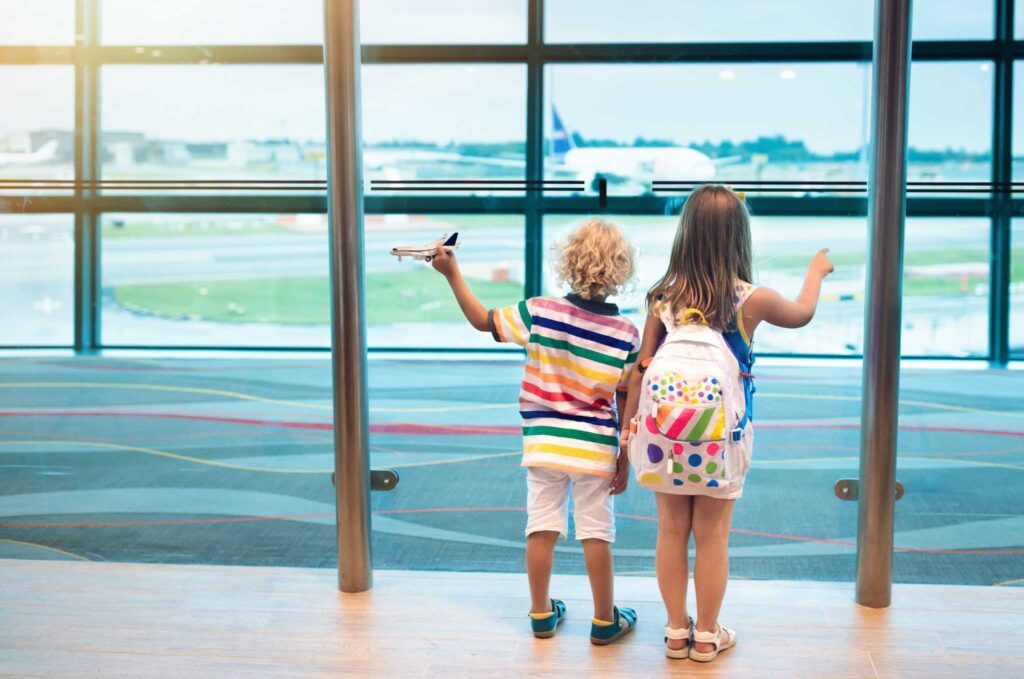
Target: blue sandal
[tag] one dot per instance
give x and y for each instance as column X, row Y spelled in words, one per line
column 603, row 632
column 544, row 624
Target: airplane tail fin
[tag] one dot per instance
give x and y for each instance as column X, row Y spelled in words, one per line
column 562, row 141
column 452, row 240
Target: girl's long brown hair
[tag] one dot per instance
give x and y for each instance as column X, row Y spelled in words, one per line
column 711, row 250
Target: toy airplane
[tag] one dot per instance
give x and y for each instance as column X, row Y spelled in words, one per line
column 426, row 252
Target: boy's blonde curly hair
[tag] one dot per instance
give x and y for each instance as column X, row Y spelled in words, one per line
column 596, row 260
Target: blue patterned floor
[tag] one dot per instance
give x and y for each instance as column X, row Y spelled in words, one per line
column 228, row 461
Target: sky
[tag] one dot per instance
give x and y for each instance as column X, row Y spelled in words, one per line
column 822, row 104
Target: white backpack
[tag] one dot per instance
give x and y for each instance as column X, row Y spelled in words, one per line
column 691, row 434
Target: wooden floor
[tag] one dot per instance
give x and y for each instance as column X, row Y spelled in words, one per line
column 70, row 619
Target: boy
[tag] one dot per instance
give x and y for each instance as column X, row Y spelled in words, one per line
column 579, row 352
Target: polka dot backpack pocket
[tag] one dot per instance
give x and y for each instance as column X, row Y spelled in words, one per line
column 691, row 434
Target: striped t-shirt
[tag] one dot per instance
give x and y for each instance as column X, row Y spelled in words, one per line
column 578, row 351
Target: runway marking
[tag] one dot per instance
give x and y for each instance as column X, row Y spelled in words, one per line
column 46, row 547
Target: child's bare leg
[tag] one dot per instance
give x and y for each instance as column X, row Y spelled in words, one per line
column 712, row 519
column 601, row 570
column 540, row 552
column 671, row 558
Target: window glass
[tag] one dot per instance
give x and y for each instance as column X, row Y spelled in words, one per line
column 215, row 280
column 410, row 305
column 206, row 22
column 40, row 22
column 655, row 133
column 945, row 287
column 443, row 122
column 590, row 21
column 37, row 291
column 37, row 120
column 245, row 123
column 754, row 122
column 947, row 142
column 1017, row 289
column 448, row 22
column 953, row 20
column 1018, row 122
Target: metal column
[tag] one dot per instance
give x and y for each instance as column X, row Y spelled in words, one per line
column 534, row 254
column 883, row 310
column 1002, row 201
column 87, row 171
column 348, row 329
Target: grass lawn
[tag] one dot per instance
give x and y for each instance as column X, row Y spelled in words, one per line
column 410, row 296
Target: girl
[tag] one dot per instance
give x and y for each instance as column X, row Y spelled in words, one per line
column 579, row 350
column 709, row 273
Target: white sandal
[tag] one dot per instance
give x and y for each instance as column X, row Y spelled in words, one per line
column 681, row 633
column 715, row 638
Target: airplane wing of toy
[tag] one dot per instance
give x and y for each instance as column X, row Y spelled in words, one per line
column 427, row 251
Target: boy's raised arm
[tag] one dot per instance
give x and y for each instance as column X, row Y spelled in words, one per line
column 445, row 264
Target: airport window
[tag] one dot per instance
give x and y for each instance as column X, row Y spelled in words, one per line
column 41, row 22
column 946, row 142
column 409, row 305
column 755, row 122
column 37, row 294
column 801, row 119
column 37, row 116
column 439, row 122
column 201, row 22
column 215, row 280
column 245, row 122
column 945, row 285
column 445, row 22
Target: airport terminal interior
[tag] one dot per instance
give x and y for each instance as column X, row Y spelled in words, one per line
column 166, row 400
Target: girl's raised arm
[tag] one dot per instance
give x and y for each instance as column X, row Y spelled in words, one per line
column 769, row 306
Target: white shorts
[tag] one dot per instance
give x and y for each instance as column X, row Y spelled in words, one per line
column 547, row 503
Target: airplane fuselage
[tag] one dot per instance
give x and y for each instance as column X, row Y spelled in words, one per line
column 644, row 164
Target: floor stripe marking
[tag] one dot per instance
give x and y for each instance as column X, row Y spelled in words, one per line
column 440, row 409
column 435, row 510
column 46, row 547
column 248, row 468
column 169, row 455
